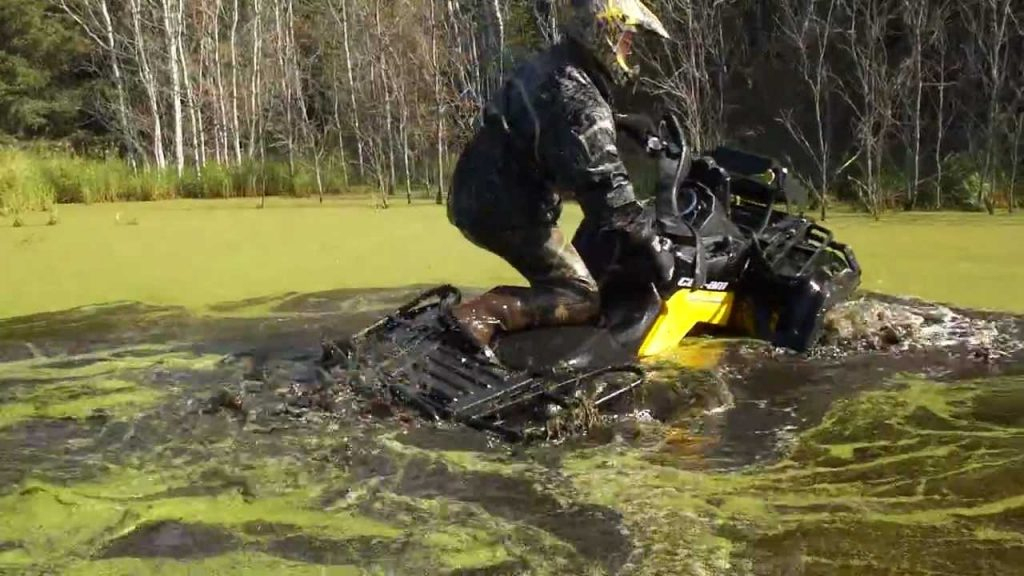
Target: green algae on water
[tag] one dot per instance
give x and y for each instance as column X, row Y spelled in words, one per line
column 170, row 490
column 113, row 384
column 201, row 254
column 838, row 501
column 241, row 563
column 110, row 398
column 271, row 510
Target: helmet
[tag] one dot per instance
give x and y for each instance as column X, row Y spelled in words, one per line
column 606, row 27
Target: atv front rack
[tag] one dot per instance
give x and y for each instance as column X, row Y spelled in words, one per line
column 412, row 358
column 796, row 273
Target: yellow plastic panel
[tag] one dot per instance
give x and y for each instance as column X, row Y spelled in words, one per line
column 684, row 310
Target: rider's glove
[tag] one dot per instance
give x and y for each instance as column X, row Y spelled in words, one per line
column 641, row 129
column 638, row 227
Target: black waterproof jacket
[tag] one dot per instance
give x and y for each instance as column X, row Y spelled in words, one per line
column 549, row 131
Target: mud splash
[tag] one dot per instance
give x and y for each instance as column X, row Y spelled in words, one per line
column 139, row 439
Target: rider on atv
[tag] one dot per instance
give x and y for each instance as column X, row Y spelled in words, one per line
column 551, row 130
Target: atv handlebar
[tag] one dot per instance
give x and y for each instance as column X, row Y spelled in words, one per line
column 664, row 138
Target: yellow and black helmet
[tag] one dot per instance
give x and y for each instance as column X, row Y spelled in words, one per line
column 606, row 28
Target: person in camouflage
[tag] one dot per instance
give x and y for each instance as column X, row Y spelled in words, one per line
column 550, row 131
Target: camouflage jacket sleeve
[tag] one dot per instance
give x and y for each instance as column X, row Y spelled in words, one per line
column 579, row 148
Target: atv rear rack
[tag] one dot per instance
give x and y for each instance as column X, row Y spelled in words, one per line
column 410, row 358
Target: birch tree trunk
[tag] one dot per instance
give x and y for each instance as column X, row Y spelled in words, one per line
column 338, row 127
column 499, row 20
column 940, row 111
column 171, row 38
column 295, row 86
column 122, row 106
column 223, row 126
column 871, row 95
column 990, row 24
column 236, row 136
column 201, row 87
column 915, row 16
column 1018, row 130
column 149, row 83
column 811, row 36
column 100, row 29
column 385, row 77
column 1015, row 160
column 403, row 130
column 354, row 109
column 544, row 19
column 438, row 109
column 281, row 42
column 255, row 101
column 684, row 73
column 187, row 85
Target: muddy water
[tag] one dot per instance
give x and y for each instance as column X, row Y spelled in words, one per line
column 147, row 440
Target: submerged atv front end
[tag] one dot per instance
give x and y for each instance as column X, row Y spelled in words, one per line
column 796, row 274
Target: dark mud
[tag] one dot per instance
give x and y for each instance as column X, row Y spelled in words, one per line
column 171, row 540
column 330, row 552
column 131, row 436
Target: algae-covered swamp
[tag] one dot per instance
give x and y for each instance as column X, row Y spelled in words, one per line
column 145, row 351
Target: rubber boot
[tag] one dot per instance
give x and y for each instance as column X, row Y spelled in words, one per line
column 512, row 309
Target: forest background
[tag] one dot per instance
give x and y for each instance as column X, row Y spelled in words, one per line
column 878, row 105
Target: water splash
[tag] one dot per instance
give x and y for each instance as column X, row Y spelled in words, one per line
column 872, row 323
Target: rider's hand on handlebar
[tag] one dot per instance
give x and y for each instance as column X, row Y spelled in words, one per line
column 638, row 226
column 671, row 134
column 638, row 126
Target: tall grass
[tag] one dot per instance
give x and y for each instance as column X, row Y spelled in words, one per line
column 38, row 179
column 23, row 187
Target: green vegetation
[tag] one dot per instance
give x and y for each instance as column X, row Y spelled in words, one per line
column 148, row 500
column 200, row 253
column 36, row 179
column 77, row 400
column 871, row 488
column 47, row 88
column 928, row 121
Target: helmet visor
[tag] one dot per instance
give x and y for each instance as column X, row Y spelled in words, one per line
column 623, row 48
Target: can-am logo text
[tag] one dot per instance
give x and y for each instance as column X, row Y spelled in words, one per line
column 716, row 285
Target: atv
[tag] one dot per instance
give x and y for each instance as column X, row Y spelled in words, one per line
column 743, row 265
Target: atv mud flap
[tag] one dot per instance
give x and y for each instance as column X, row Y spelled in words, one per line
column 411, row 358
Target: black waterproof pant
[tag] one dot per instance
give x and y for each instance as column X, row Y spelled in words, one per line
column 562, row 290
